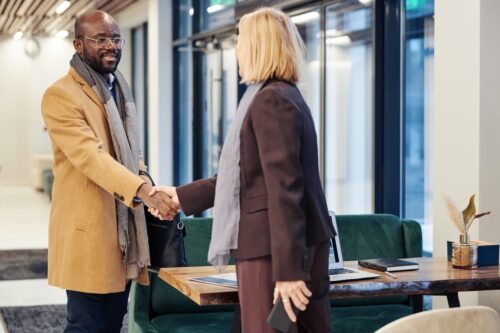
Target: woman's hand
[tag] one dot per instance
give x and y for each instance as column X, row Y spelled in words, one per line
column 292, row 291
column 172, row 193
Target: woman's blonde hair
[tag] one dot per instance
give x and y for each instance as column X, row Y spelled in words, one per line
column 270, row 47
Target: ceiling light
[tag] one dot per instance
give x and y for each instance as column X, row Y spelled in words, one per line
column 339, row 41
column 306, row 17
column 191, row 11
column 62, row 34
column 215, row 8
column 63, row 6
column 18, row 35
column 366, row 2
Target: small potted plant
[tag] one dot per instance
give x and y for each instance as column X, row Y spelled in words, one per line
column 464, row 252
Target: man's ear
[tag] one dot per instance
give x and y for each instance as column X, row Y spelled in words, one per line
column 78, row 45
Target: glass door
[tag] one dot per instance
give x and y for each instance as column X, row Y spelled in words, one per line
column 309, row 27
column 349, row 161
column 220, row 95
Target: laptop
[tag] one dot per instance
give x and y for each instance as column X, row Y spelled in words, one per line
column 336, row 268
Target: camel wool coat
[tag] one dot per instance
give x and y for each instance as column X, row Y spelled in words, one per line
column 84, row 254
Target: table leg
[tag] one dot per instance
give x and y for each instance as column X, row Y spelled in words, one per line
column 453, row 301
column 236, row 324
column 417, row 303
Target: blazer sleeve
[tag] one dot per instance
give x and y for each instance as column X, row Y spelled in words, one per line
column 277, row 124
column 197, row 196
column 70, row 132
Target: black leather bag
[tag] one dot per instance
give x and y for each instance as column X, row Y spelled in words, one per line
column 166, row 240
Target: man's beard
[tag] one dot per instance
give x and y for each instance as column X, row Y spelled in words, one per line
column 99, row 64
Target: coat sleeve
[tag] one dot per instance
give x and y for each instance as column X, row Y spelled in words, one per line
column 70, row 132
column 197, row 196
column 277, row 124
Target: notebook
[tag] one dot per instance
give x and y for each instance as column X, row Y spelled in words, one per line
column 224, row 279
column 388, row 264
column 336, row 268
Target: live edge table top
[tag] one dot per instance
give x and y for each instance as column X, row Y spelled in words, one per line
column 435, row 276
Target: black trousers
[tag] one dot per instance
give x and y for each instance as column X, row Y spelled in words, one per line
column 96, row 313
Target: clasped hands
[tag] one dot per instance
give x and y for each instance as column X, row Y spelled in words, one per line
column 162, row 201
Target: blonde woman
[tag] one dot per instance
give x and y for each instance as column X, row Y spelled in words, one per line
column 270, row 211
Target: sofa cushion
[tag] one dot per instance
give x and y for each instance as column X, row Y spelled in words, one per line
column 366, row 319
column 371, row 236
column 214, row 322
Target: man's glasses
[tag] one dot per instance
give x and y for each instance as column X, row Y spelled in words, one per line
column 105, row 42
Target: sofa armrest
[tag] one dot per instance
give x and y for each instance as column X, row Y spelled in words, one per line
column 138, row 313
column 412, row 234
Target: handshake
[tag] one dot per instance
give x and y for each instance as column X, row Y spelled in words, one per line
column 162, row 201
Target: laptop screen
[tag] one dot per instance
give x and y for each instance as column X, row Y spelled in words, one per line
column 335, row 259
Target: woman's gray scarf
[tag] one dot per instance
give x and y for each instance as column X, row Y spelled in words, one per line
column 121, row 116
column 227, row 190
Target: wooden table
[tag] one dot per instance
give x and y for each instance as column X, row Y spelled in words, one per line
column 435, row 276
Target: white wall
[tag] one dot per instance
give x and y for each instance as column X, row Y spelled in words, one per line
column 160, row 91
column 23, row 81
column 129, row 18
column 466, row 155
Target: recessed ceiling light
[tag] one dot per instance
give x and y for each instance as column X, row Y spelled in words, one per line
column 63, row 6
column 18, row 35
column 62, row 34
column 215, row 8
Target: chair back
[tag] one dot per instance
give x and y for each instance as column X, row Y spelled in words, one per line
column 457, row 320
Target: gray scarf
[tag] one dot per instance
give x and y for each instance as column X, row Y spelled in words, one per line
column 227, row 190
column 121, row 116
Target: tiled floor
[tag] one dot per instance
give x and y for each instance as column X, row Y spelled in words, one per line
column 24, row 216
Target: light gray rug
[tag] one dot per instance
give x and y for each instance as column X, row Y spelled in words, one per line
column 39, row 319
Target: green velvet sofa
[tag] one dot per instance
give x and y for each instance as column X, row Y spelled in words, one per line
column 160, row 308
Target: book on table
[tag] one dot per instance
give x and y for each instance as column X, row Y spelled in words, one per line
column 388, row 264
column 224, row 280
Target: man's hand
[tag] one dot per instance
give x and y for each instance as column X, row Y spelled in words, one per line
column 168, row 190
column 294, row 291
column 160, row 201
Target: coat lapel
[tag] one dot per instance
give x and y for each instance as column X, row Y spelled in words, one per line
column 88, row 90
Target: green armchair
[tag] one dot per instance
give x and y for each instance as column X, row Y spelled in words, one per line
column 161, row 308
column 375, row 236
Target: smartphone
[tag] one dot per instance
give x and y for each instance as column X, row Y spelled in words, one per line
column 278, row 318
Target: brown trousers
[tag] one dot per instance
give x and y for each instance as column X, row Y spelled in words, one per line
column 256, row 287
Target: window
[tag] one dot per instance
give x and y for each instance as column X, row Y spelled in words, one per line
column 183, row 117
column 418, row 110
column 308, row 25
column 349, row 108
column 139, row 83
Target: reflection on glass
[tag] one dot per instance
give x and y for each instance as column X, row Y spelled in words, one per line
column 309, row 85
column 418, row 109
column 215, row 13
column 349, row 111
column 184, row 137
column 229, row 87
column 182, row 14
column 214, row 111
column 139, row 69
column 221, row 100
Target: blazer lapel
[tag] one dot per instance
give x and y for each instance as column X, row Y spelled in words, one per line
column 88, row 90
